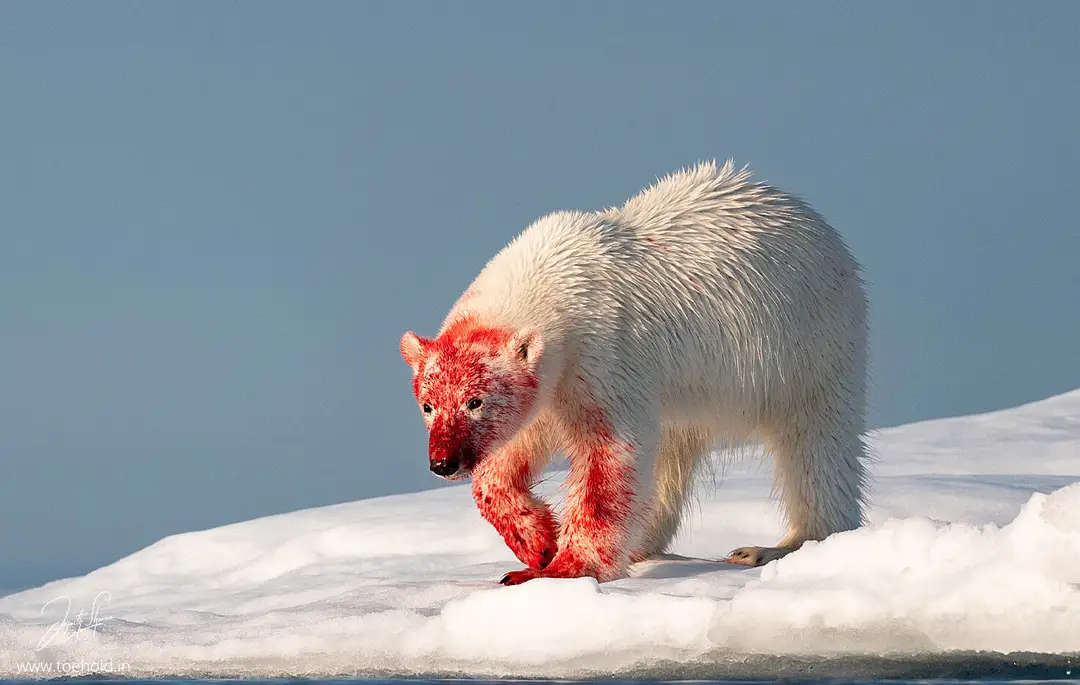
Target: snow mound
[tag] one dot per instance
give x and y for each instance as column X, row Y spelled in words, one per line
column 973, row 545
column 916, row 585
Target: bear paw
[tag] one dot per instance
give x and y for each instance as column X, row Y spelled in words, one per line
column 756, row 556
column 565, row 566
column 519, row 577
column 527, row 574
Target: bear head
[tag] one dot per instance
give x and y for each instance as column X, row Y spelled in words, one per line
column 476, row 387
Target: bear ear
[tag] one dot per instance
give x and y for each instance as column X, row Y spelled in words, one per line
column 414, row 349
column 526, row 347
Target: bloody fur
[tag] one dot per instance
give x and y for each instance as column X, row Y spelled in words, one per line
column 592, row 536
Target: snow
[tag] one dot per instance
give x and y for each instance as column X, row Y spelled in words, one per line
column 973, row 545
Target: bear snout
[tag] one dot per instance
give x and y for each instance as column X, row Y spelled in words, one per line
column 445, row 467
column 457, row 463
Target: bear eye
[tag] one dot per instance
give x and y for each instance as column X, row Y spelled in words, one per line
column 427, row 408
column 475, row 403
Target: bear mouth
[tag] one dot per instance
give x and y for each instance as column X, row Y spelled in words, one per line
column 461, row 474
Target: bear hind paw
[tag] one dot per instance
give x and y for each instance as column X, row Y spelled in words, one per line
column 756, row 556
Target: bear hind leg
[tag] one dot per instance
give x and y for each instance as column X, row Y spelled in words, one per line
column 820, row 475
column 681, row 451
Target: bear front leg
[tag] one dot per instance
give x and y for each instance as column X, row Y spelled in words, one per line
column 601, row 508
column 501, row 488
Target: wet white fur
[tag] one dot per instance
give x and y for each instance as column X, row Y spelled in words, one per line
column 710, row 308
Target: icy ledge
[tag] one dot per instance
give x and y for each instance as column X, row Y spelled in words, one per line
column 405, row 585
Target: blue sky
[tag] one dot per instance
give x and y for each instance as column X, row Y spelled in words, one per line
column 216, row 219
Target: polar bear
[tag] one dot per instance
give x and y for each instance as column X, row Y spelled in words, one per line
column 709, row 309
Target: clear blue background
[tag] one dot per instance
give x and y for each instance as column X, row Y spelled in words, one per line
column 216, row 219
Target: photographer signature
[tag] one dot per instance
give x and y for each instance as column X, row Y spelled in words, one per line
column 78, row 625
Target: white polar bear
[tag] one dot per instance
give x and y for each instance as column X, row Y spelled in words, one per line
column 708, row 309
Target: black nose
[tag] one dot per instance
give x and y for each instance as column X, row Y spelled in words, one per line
column 444, row 467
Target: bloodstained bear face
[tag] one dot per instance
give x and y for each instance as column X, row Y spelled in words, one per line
column 476, row 387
